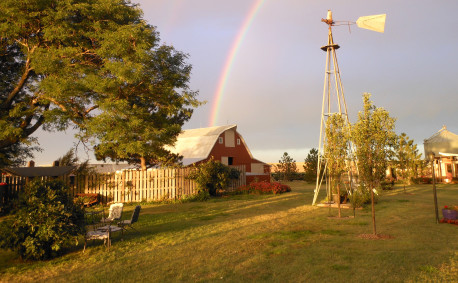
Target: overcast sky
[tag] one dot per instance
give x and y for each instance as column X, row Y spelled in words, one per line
column 274, row 89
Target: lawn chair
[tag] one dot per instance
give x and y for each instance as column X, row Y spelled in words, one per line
column 104, row 234
column 114, row 213
column 128, row 222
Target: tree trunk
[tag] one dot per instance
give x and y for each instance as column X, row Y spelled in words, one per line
column 373, row 211
column 143, row 163
column 338, row 194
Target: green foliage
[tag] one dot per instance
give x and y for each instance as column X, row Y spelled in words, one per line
column 408, row 158
column 286, row 167
column 311, row 165
column 95, row 64
column 336, row 148
column 374, row 138
column 360, row 197
column 44, row 222
column 70, row 159
column 213, row 176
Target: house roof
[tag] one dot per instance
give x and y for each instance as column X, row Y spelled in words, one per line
column 442, row 141
column 40, row 171
column 196, row 144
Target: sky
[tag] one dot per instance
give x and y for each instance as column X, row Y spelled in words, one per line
column 259, row 65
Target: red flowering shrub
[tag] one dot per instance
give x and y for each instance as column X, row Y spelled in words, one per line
column 264, row 188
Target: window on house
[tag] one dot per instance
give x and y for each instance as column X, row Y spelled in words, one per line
column 230, row 161
column 449, row 168
column 220, row 140
column 238, row 141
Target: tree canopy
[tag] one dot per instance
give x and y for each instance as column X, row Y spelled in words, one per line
column 95, row 65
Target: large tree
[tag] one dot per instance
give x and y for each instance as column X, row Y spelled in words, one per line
column 96, row 65
column 374, row 137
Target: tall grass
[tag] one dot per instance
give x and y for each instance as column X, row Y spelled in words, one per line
column 275, row 238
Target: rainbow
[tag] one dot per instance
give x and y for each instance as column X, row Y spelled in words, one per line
column 230, row 60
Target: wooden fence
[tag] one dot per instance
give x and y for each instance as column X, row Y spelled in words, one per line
column 127, row 185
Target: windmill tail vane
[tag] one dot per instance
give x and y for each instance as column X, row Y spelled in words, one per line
column 373, row 22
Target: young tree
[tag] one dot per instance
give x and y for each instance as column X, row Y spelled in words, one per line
column 97, row 65
column 336, row 151
column 287, row 167
column 373, row 136
column 408, row 158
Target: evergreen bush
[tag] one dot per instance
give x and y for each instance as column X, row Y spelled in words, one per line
column 44, row 221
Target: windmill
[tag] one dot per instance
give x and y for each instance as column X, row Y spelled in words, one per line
column 333, row 96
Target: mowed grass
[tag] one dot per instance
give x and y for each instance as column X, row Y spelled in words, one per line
column 258, row 238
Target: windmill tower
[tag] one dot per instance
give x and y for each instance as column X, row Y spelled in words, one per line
column 334, row 98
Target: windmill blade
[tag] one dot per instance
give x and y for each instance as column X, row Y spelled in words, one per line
column 375, row 22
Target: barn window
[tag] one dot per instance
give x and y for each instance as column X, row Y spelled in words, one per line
column 238, row 141
column 220, row 140
column 230, row 161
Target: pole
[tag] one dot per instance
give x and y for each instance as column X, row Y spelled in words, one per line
column 434, row 188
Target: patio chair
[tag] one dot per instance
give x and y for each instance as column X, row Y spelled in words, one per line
column 104, row 234
column 128, row 222
column 114, row 213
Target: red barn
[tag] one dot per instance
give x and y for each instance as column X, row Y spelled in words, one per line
column 224, row 144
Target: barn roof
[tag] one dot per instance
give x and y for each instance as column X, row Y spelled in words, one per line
column 442, row 141
column 196, row 144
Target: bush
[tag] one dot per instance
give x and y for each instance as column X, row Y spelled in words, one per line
column 423, row 180
column 264, row 188
column 213, row 176
column 44, row 221
column 361, row 197
column 387, row 184
column 293, row 176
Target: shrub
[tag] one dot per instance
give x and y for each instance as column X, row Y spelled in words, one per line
column 44, row 221
column 264, row 188
column 423, row 180
column 387, row 184
column 361, row 197
column 213, row 176
column 293, row 176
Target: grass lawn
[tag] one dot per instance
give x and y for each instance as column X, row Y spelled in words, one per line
column 271, row 238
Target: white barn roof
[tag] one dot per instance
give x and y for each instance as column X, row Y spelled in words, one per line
column 196, row 144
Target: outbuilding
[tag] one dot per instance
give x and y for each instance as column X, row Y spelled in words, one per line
column 444, row 145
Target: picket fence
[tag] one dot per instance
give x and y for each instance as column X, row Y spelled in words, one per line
column 127, row 185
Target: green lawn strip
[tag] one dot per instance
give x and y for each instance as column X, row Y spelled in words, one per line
column 265, row 238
